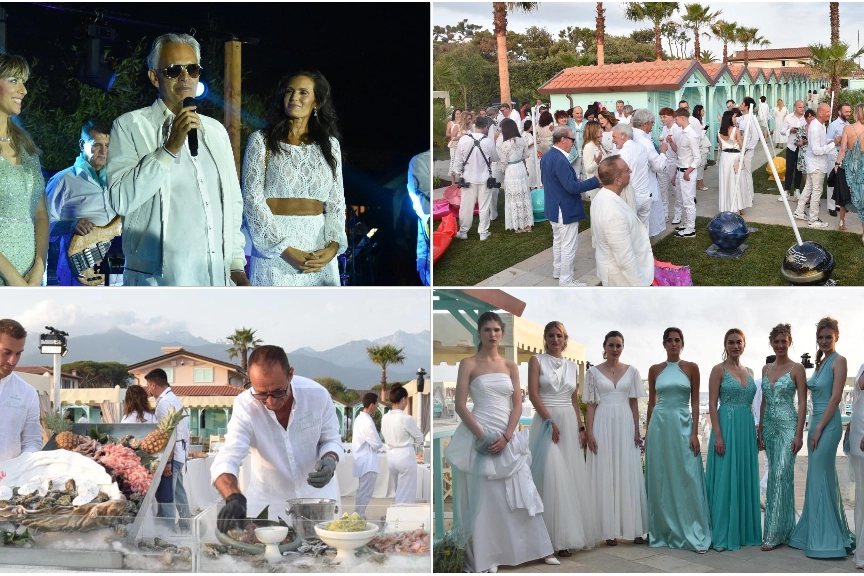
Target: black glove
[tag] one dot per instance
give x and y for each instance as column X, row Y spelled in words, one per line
column 232, row 513
column 323, row 473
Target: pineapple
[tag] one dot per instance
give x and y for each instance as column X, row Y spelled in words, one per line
column 61, row 427
column 158, row 439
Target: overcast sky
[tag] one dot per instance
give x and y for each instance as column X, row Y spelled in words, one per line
column 771, row 18
column 703, row 314
column 293, row 318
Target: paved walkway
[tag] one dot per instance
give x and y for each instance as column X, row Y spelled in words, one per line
column 537, row 270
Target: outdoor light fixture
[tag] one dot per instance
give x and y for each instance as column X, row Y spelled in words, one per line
column 421, row 380
column 54, row 342
column 94, row 72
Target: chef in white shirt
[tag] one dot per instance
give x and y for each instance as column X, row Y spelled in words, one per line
column 365, row 443
column 20, row 430
column 289, row 425
column 401, row 434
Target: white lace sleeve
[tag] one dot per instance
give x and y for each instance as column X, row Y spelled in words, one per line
column 266, row 236
column 334, row 206
column 637, row 388
column 590, row 395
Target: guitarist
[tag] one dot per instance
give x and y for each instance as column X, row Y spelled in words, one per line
column 78, row 196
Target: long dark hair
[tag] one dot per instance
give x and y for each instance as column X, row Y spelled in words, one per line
column 322, row 126
column 696, row 112
column 136, row 402
column 509, row 129
column 726, row 122
column 486, row 317
column 11, row 65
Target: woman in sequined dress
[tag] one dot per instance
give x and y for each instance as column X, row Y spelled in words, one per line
column 23, row 215
column 781, row 435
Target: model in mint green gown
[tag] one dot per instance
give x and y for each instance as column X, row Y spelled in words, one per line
column 732, row 480
column 822, row 531
column 779, row 426
column 678, row 515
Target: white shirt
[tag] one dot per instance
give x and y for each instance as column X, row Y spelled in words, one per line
column 624, row 120
column 675, row 131
column 763, row 112
column 475, row 170
column 757, row 401
column 637, row 160
column 514, row 115
column 818, row 149
column 620, row 117
column 149, row 418
column 164, row 403
column 400, row 430
column 749, row 128
column 623, row 249
column 689, row 155
column 83, row 420
column 20, row 430
column 74, row 194
column 792, row 121
column 281, row 458
column 656, row 161
column 836, row 129
column 365, row 444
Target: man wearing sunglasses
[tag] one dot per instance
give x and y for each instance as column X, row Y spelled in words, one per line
column 182, row 209
column 289, row 425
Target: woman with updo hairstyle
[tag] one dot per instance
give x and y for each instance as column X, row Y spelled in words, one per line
column 136, row 407
column 781, row 435
column 568, row 504
column 678, row 512
column 544, row 132
column 518, row 212
column 612, row 392
column 822, row 530
column 402, row 436
column 732, row 475
column 500, row 511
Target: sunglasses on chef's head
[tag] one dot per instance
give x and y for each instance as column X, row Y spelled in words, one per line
column 173, row 71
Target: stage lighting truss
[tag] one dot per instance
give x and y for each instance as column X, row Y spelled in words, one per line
column 94, row 71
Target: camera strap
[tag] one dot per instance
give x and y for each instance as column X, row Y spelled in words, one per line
column 477, row 145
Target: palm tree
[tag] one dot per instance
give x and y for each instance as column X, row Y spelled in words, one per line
column 499, row 12
column 726, row 32
column 656, row 12
column 242, row 341
column 834, row 7
column 707, row 57
column 833, row 61
column 697, row 17
column 750, row 37
column 384, row 356
column 601, row 32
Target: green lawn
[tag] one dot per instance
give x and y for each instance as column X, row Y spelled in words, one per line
column 470, row 261
column 760, row 264
column 763, row 182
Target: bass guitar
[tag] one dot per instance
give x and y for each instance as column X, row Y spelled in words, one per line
column 87, row 252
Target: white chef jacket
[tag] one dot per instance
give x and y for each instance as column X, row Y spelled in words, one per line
column 365, row 444
column 164, row 403
column 400, row 430
column 20, row 430
column 281, row 459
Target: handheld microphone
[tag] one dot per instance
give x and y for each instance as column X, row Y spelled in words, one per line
column 193, row 134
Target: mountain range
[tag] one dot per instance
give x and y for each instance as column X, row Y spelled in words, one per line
column 347, row 362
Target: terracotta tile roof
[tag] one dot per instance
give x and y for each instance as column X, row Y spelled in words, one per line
column 657, row 75
column 42, row 370
column 802, row 53
column 714, row 70
column 223, row 390
column 182, row 352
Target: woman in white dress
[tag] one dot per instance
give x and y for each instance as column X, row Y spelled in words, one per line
column 607, row 123
column 730, row 141
column 856, row 461
column 136, row 407
column 453, row 136
column 780, row 113
column 530, row 154
column 293, row 198
column 518, row 212
column 568, row 504
column 612, row 392
column 500, row 509
column 402, row 436
column 592, row 152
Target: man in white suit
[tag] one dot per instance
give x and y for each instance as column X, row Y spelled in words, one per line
column 623, row 250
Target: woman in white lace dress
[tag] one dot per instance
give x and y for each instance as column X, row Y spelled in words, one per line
column 612, row 392
column 293, row 198
column 518, row 213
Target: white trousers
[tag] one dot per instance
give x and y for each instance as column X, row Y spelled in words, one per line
column 747, row 181
column 643, row 208
column 664, row 181
column 470, row 196
column 364, row 492
column 686, row 193
column 812, row 193
column 565, row 241
column 403, row 474
column 832, row 158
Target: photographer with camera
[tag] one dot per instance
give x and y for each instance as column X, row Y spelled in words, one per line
column 473, row 168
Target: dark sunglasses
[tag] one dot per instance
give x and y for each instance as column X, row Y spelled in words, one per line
column 173, row 71
column 263, row 396
column 569, row 138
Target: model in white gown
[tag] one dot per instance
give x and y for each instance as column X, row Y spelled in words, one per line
column 509, row 528
column 731, row 199
column 568, row 503
column 856, row 462
column 617, row 481
column 518, row 212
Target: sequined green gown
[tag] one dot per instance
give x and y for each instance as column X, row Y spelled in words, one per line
column 21, row 187
column 778, row 430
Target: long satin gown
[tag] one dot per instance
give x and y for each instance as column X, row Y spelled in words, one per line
column 672, row 473
column 856, row 460
column 822, row 530
column 778, row 431
column 508, row 529
column 733, row 479
column 568, row 504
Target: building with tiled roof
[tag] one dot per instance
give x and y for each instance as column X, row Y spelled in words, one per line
column 773, row 57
